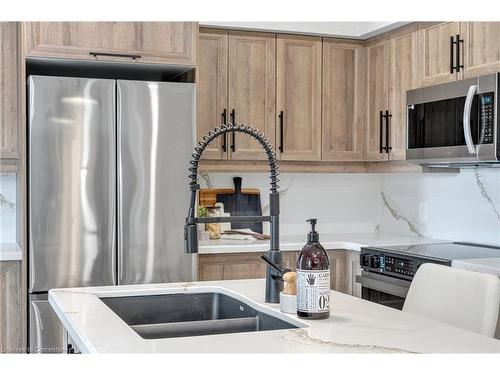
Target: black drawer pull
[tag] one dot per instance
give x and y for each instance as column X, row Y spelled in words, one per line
column 233, row 136
column 281, row 131
column 458, row 41
column 111, row 54
column 452, row 66
column 387, row 131
column 224, row 122
column 381, row 125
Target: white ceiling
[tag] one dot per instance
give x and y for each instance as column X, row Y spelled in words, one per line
column 356, row 30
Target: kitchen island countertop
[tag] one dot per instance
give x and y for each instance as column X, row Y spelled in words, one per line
column 355, row 326
column 346, row 241
column 486, row 265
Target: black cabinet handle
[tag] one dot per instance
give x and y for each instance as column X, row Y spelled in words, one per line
column 233, row 136
column 387, row 131
column 224, row 122
column 452, row 66
column 110, row 54
column 381, row 118
column 458, row 41
column 281, row 131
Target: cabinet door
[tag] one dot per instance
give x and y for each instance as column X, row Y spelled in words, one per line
column 298, row 97
column 352, row 269
column 337, row 270
column 10, row 306
column 238, row 265
column 376, row 97
column 481, row 54
column 252, row 86
column 9, row 63
column 156, row 42
column 434, row 58
column 402, row 77
column 342, row 102
column 211, row 101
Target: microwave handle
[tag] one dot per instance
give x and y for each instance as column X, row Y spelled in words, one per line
column 467, row 108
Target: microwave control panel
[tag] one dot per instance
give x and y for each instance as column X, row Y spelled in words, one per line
column 487, row 117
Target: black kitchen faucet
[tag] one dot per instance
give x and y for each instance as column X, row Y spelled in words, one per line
column 274, row 282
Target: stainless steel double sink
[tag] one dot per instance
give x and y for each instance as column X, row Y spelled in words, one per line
column 192, row 314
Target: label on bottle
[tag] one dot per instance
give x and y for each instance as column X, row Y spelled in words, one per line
column 313, row 291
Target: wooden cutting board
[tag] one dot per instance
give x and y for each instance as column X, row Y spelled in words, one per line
column 208, row 197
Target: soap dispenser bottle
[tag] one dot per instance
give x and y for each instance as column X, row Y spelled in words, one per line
column 313, row 278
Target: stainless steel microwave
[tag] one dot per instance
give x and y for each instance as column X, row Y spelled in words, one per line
column 455, row 123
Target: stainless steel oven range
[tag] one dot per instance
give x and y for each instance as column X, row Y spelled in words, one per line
column 387, row 272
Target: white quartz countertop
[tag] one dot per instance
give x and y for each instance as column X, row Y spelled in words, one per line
column 355, row 326
column 10, row 251
column 486, row 265
column 348, row 241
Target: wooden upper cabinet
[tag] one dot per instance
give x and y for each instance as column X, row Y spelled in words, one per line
column 342, row 102
column 435, row 55
column 211, row 88
column 252, row 90
column 155, row 42
column 9, row 93
column 376, row 97
column 402, row 77
column 481, row 48
column 298, row 97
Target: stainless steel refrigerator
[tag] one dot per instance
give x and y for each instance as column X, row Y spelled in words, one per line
column 107, row 188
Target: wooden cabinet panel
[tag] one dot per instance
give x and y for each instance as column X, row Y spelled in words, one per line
column 299, row 97
column 376, row 96
column 338, row 280
column 342, row 102
column 238, row 265
column 481, row 53
column 352, row 269
column 434, row 52
column 10, row 307
column 402, row 77
column 212, row 87
column 252, row 86
column 9, row 94
column 156, row 42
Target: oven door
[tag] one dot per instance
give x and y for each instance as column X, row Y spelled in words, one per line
column 446, row 123
column 382, row 289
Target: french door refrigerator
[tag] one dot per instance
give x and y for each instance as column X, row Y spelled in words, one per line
column 107, row 188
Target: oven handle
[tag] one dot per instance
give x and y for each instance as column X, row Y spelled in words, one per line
column 382, row 286
column 467, row 108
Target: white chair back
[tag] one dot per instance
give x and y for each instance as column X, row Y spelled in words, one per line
column 461, row 298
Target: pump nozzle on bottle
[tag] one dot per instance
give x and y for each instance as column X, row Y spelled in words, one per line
column 313, row 236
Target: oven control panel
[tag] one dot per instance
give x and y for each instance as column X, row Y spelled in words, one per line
column 399, row 265
column 403, row 266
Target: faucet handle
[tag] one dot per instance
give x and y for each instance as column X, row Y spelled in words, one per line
column 280, row 271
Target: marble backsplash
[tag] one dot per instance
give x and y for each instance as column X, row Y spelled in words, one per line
column 7, row 207
column 460, row 207
column 344, row 203
column 455, row 206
